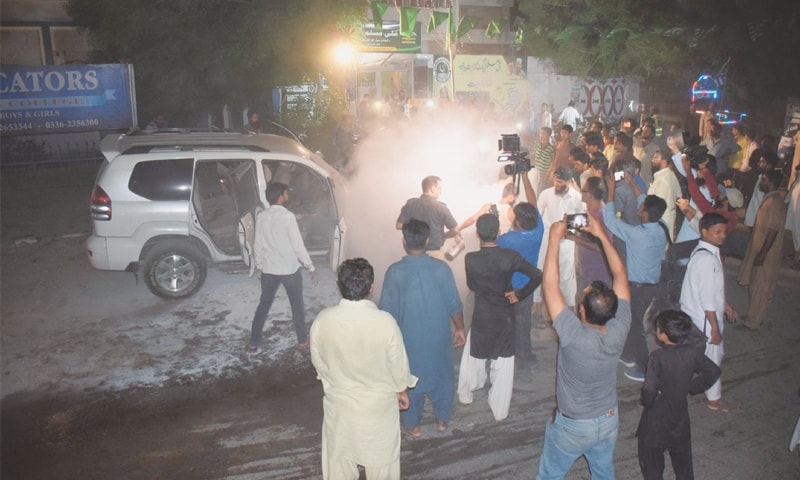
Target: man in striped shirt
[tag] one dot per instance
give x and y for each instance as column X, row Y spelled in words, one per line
column 543, row 152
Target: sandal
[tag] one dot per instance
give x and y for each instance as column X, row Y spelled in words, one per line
column 718, row 406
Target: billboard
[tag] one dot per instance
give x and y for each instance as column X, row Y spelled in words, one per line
column 489, row 79
column 66, row 98
column 388, row 38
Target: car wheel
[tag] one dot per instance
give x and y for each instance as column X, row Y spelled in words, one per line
column 174, row 269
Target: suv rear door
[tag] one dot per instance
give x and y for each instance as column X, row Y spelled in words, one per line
column 225, row 201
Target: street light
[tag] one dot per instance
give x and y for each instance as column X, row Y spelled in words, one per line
column 347, row 54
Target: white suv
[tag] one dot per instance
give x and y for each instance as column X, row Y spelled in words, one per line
column 167, row 204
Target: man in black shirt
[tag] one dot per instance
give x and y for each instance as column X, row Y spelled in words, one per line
column 492, row 333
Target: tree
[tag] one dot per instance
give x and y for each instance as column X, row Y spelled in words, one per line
column 193, row 56
column 670, row 43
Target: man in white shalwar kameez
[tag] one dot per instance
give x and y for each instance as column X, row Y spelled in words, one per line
column 360, row 358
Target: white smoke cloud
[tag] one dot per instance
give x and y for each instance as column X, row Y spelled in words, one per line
column 456, row 144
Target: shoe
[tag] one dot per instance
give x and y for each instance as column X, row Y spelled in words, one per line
column 627, row 363
column 303, row 346
column 253, row 349
column 634, row 375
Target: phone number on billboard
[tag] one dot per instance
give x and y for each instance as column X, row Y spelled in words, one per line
column 15, row 127
column 90, row 122
column 20, row 127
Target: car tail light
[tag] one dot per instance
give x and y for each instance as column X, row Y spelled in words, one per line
column 101, row 205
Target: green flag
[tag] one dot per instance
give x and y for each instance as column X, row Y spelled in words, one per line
column 378, row 9
column 436, row 19
column 466, row 24
column 494, row 28
column 408, row 18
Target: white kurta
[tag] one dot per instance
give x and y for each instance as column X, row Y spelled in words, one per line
column 553, row 207
column 704, row 291
column 666, row 186
column 360, row 358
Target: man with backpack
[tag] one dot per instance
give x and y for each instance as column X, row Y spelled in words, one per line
column 703, row 296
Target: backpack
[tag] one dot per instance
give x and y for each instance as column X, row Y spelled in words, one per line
column 673, row 269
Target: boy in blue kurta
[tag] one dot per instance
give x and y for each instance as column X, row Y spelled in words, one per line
column 420, row 292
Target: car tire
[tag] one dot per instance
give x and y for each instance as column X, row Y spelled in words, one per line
column 174, row 269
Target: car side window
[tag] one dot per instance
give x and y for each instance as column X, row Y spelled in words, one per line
column 163, row 180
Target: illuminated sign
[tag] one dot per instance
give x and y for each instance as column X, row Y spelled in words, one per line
column 704, row 87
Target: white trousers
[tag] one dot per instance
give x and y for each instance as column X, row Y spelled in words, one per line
column 566, row 269
column 715, row 354
column 472, row 376
column 344, row 469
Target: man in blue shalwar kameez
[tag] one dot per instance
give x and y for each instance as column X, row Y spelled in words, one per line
column 420, row 292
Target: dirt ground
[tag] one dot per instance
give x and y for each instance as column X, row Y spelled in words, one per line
column 101, row 379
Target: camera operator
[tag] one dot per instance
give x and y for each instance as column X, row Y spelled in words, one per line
column 525, row 238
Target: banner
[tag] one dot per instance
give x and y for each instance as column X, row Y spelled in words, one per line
column 493, row 79
column 388, row 38
column 66, row 98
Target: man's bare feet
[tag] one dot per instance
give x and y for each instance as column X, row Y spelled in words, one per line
column 719, row 406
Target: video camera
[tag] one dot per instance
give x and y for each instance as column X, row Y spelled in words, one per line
column 509, row 146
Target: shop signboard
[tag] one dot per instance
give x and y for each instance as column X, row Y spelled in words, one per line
column 66, row 98
column 388, row 38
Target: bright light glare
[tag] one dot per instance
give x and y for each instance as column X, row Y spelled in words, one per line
column 345, row 53
column 430, row 103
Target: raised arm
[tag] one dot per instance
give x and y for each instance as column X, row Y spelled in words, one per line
column 551, row 289
column 618, row 272
column 468, row 222
column 530, row 194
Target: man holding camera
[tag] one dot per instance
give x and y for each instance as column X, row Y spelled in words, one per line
column 586, row 419
column 644, row 246
column 526, row 239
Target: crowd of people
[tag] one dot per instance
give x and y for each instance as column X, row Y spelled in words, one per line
column 640, row 195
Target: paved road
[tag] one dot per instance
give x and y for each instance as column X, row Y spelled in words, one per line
column 261, row 419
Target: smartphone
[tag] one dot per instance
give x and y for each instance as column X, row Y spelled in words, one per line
column 576, row 221
column 619, row 176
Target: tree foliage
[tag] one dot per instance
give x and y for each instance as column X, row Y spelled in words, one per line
column 193, row 56
column 669, row 43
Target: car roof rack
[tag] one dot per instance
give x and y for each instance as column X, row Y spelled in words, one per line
column 188, row 140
